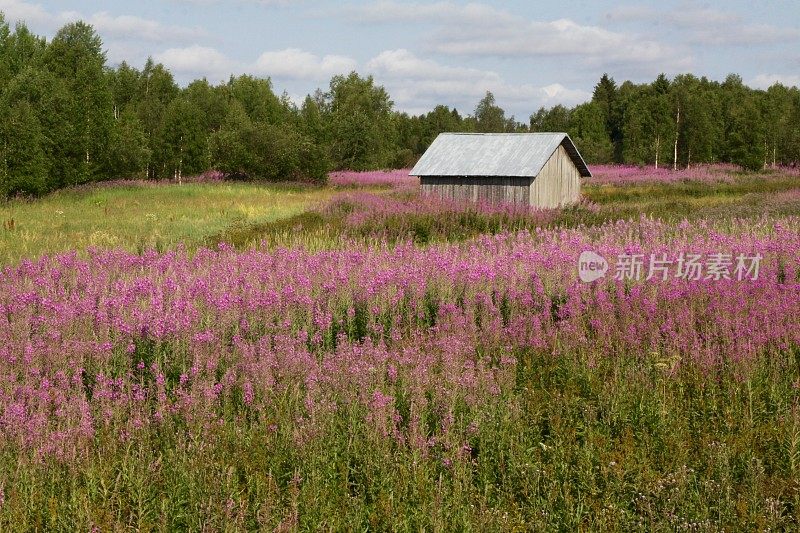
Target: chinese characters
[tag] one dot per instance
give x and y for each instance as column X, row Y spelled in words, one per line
column 688, row 266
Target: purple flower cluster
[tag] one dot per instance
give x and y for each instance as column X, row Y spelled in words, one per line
column 601, row 174
column 366, row 206
column 374, row 178
column 707, row 173
column 118, row 342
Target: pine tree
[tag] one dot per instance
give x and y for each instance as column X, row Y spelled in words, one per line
column 606, row 97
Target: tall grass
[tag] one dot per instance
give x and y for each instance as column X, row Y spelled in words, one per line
column 579, row 443
column 138, row 216
column 452, row 386
column 318, row 369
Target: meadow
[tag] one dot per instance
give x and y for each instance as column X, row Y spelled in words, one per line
column 140, row 215
column 358, row 357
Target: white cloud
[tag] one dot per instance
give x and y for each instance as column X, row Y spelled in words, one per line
column 702, row 17
column 133, row 27
column 417, row 84
column 198, row 60
column 296, row 64
column 33, row 14
column 122, row 35
column 743, row 34
column 632, row 13
column 685, row 16
column 260, row 2
column 480, row 30
column 764, row 81
column 590, row 45
column 404, row 64
column 707, row 26
column 390, row 11
column 122, row 27
column 288, row 64
column 118, row 51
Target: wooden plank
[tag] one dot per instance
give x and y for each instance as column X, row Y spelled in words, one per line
column 495, row 190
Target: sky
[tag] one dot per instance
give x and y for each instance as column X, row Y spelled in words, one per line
column 528, row 54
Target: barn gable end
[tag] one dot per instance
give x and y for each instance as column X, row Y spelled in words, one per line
column 558, row 183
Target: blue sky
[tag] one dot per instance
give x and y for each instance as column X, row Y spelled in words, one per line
column 528, row 54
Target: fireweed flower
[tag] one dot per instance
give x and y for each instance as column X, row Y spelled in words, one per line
column 628, row 174
column 399, row 333
column 395, row 178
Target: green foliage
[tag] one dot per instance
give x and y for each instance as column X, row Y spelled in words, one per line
column 556, row 118
column 607, row 97
column 711, row 121
column 83, row 121
column 155, row 89
column 312, row 121
column 360, row 121
column 244, row 149
column 744, row 132
column 648, row 127
column 75, row 55
column 698, row 130
column 18, row 49
column 258, row 100
column 490, row 118
column 183, row 145
column 128, row 152
column 23, row 162
column 587, row 129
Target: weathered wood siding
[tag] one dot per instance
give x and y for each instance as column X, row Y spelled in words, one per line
column 559, row 182
column 478, row 189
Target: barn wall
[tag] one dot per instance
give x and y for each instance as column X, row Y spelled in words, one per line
column 559, row 182
column 475, row 188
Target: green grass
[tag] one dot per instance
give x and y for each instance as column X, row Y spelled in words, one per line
column 138, row 216
column 581, row 443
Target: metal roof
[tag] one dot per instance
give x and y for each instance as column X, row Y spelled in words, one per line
column 494, row 154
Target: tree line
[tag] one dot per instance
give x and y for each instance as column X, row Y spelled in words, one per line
column 681, row 122
column 68, row 118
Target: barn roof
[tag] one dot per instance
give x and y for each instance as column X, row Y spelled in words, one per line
column 494, row 154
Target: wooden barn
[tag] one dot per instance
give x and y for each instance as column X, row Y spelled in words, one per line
column 538, row 169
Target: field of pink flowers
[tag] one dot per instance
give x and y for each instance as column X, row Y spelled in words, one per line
column 392, row 178
column 708, row 173
column 390, row 356
column 126, row 341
